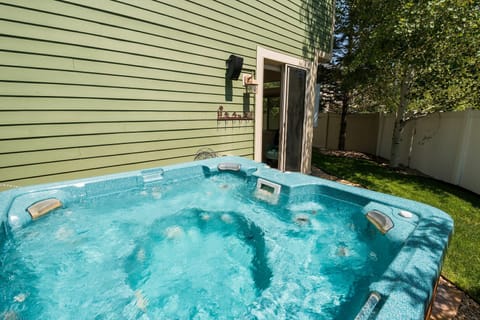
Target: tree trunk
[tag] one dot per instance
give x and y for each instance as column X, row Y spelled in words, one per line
column 399, row 123
column 343, row 122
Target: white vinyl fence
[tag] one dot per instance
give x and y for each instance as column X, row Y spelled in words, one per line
column 443, row 145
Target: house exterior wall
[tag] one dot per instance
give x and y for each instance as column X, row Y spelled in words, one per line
column 97, row 87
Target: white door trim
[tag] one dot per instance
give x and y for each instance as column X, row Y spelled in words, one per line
column 263, row 54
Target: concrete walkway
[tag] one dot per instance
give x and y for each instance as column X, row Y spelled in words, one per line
column 447, row 301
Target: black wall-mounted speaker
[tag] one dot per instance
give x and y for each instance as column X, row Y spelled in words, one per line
column 234, row 67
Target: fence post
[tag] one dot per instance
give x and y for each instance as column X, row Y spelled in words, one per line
column 462, row 152
column 327, row 130
column 381, row 124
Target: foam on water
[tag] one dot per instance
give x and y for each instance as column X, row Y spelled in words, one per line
column 203, row 249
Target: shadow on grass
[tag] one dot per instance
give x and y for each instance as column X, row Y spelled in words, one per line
column 474, row 292
column 380, row 178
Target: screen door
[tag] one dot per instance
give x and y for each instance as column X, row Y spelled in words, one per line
column 293, row 118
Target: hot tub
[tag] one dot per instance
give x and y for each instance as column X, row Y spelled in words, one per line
column 218, row 238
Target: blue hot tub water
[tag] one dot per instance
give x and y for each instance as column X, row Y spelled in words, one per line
column 197, row 243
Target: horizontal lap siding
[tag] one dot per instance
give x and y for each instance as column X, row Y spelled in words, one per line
column 97, row 87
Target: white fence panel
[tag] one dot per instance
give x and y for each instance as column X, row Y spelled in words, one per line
column 469, row 175
column 436, row 144
column 443, row 145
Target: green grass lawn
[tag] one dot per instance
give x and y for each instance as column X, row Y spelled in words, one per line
column 462, row 264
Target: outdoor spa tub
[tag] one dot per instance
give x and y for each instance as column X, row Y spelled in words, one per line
column 223, row 238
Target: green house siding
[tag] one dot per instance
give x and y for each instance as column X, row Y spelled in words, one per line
column 97, row 87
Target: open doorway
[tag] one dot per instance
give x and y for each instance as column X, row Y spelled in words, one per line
column 295, row 118
column 272, row 102
column 283, row 107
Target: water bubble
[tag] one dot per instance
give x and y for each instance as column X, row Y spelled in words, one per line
column 141, row 301
column 174, row 232
column 156, row 195
column 141, row 255
column 63, row 233
column 20, row 297
column 205, row 216
column 9, row 315
column 343, row 251
column 226, row 218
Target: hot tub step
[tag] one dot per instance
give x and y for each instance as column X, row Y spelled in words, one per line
column 43, row 207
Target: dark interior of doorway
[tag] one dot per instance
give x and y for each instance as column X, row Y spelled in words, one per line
column 271, row 113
